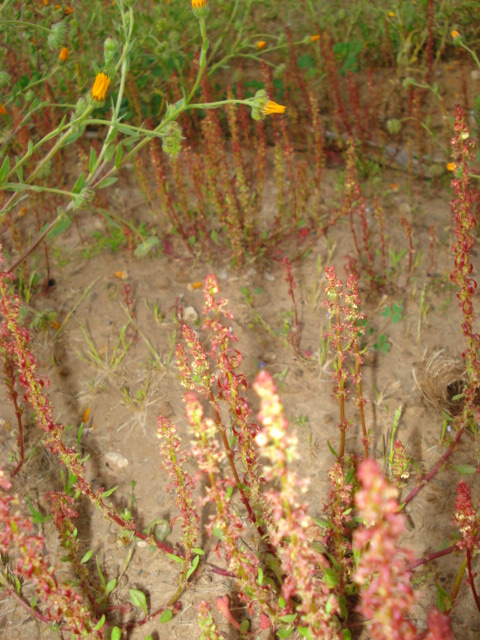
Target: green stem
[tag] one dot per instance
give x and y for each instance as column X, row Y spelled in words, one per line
column 111, row 129
column 203, row 59
column 25, row 24
column 19, row 186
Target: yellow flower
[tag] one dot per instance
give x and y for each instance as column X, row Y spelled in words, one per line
column 100, row 86
column 315, row 38
column 262, row 106
column 391, row 14
column 261, row 44
column 455, row 34
column 200, row 8
column 3, row 111
column 64, row 53
column 451, row 166
column 273, row 107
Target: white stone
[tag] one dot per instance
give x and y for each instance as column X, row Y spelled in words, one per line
column 116, row 460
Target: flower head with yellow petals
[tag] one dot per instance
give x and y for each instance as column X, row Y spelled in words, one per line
column 64, row 53
column 100, row 87
column 262, row 106
column 200, row 8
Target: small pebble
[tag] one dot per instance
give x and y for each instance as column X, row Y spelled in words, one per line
column 269, row 276
column 165, row 409
column 116, row 460
column 475, row 74
column 190, row 315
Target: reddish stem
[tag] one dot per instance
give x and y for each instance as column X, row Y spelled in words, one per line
column 433, row 556
column 471, row 578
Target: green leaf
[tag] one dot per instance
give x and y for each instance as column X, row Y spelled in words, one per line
column 304, row 632
column 144, row 249
column 4, row 170
column 166, row 615
column 111, row 584
column 138, row 599
column 330, row 577
column 77, row 132
column 37, row 517
column 87, row 557
column 322, row 523
column 288, row 618
column 100, row 623
column 175, row 558
column 93, row 159
column 118, row 156
column 284, row 633
column 79, row 184
column 116, row 634
column 127, row 131
column 332, row 450
column 109, row 153
column 306, row 62
column 193, row 566
column 217, row 532
column 260, row 576
column 465, row 469
column 107, row 182
column 346, row 634
column 62, row 225
column 199, row 552
column 106, row 494
column 244, row 626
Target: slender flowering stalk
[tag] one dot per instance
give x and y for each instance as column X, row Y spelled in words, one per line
column 333, row 289
column 465, row 220
column 213, row 375
column 468, row 522
column 353, row 317
column 173, row 461
column 318, row 606
column 387, row 596
column 226, row 523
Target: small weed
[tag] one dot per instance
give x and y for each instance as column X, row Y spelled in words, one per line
column 395, row 312
column 382, row 344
